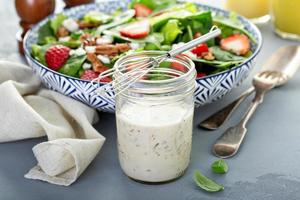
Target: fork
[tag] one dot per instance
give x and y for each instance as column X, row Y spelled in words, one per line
column 228, row 144
column 217, row 119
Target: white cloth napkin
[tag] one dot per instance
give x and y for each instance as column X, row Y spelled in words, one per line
column 27, row 111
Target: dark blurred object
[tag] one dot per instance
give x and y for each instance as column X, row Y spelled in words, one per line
column 31, row 12
column 71, row 3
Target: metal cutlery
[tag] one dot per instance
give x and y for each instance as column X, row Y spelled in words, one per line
column 285, row 60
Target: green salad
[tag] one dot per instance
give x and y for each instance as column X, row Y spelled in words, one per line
column 85, row 47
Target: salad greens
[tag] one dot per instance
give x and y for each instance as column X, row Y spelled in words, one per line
column 95, row 41
column 153, row 4
column 57, row 22
column 206, row 183
column 219, row 167
column 73, row 65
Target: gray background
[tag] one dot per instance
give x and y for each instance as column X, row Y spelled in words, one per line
column 267, row 166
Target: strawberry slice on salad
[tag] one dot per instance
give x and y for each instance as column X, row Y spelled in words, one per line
column 237, row 43
column 142, row 10
column 136, row 30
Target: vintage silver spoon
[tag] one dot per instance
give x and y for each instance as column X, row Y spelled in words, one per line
column 285, row 60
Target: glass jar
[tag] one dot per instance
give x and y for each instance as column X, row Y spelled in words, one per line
column 255, row 10
column 154, row 122
column 286, row 18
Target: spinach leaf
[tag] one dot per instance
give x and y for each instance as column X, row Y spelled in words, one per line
column 73, row 44
column 224, row 59
column 158, row 21
column 73, row 65
column 118, row 20
column 154, row 40
column 44, row 32
column 38, row 52
column 154, row 4
column 206, row 183
column 225, row 55
column 96, row 17
column 231, row 25
column 219, row 64
column 170, row 31
column 57, row 21
column 188, row 6
column 219, row 167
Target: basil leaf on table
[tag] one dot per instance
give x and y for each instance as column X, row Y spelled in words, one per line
column 219, row 167
column 206, row 183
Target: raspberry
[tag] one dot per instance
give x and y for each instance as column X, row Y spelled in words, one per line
column 56, row 56
column 89, row 75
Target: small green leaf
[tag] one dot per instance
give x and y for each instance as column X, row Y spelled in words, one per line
column 44, row 31
column 56, row 22
column 97, row 17
column 206, row 183
column 225, row 55
column 73, row 65
column 170, row 31
column 219, row 167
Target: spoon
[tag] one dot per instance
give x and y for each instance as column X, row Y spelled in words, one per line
column 228, row 144
column 285, row 60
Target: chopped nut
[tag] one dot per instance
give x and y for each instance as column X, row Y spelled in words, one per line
column 123, row 47
column 62, row 32
column 208, row 56
column 98, row 66
column 109, row 50
column 198, row 34
column 84, row 25
column 84, row 37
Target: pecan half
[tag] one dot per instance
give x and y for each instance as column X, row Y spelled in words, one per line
column 62, row 32
column 107, row 49
column 208, row 56
column 84, row 25
column 98, row 66
column 123, row 47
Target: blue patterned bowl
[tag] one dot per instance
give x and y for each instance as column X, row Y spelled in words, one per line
column 209, row 88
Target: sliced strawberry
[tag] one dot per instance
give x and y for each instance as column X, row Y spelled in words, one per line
column 237, row 43
column 201, row 48
column 136, row 30
column 200, row 74
column 142, row 10
column 56, row 56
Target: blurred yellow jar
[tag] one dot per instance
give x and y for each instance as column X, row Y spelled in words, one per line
column 256, row 10
column 286, row 18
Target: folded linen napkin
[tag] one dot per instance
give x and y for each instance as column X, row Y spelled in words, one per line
column 29, row 111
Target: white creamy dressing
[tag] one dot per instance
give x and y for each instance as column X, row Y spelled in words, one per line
column 154, row 142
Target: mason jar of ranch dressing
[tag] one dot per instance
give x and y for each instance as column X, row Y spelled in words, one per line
column 155, row 119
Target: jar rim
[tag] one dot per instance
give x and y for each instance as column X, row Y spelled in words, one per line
column 166, row 85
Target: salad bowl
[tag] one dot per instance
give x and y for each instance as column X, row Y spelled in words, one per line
column 208, row 89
